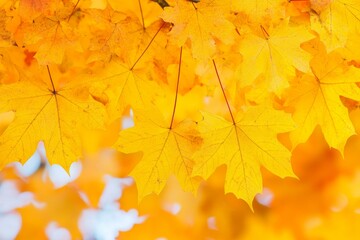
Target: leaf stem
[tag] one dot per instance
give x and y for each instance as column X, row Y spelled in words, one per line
column 142, row 15
column 51, row 80
column 177, row 90
column 193, row 5
column 147, row 47
column 223, row 91
column 73, row 10
column 266, row 34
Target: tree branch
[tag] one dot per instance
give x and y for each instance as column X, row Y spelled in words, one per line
column 162, row 3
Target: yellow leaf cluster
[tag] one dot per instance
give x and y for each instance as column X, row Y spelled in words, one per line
column 209, row 83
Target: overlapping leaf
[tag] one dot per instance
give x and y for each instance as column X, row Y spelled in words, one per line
column 47, row 110
column 166, row 151
column 51, row 35
column 201, row 22
column 335, row 20
column 244, row 146
column 316, row 99
column 271, row 56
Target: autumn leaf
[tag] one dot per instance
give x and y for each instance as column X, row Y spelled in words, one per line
column 257, row 10
column 202, row 23
column 167, row 147
column 244, row 144
column 110, row 29
column 272, row 55
column 127, row 80
column 47, row 109
column 315, row 99
column 30, row 9
column 146, row 11
column 51, row 35
column 335, row 20
column 166, row 151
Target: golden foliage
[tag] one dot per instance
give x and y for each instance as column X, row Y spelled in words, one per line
column 225, row 96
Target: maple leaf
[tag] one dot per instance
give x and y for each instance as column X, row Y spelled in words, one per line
column 244, row 144
column 273, row 55
column 202, row 23
column 166, row 151
column 257, row 9
column 167, row 148
column 108, row 29
column 334, row 20
column 147, row 11
column 124, row 87
column 316, row 100
column 30, row 9
column 47, row 110
column 51, row 34
column 127, row 80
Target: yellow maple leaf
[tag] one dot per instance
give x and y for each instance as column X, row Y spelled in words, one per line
column 243, row 146
column 48, row 110
column 147, row 11
column 127, row 80
column 316, row 100
column 108, row 29
column 51, row 34
column 166, row 148
column 258, row 9
column 273, row 55
column 202, row 23
column 334, row 20
column 30, row 9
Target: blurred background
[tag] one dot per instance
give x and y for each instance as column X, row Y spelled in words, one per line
column 96, row 199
